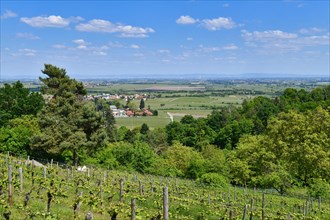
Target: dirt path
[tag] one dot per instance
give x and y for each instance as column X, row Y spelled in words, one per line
column 170, row 115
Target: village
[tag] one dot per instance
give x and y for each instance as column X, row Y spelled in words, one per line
column 128, row 110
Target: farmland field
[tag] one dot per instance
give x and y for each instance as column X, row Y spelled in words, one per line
column 178, row 107
column 178, row 99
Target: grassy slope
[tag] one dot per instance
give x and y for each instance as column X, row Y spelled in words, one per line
column 187, row 199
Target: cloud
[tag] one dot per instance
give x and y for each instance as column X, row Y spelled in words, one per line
column 230, row 47
column 50, row 21
column 25, row 52
column 134, row 46
column 310, row 31
column 277, row 41
column 210, row 24
column 115, row 45
column 189, row 39
column 104, row 26
column 267, row 35
column 8, row 14
column 218, row 23
column 27, row 36
column 125, row 35
column 202, row 48
column 81, row 43
column 100, row 53
column 226, row 5
column 138, row 55
column 186, row 20
column 59, row 46
column 163, row 51
column 315, row 40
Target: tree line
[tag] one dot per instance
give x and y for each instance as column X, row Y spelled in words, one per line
column 275, row 143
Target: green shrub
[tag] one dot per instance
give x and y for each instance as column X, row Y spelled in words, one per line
column 319, row 187
column 213, row 179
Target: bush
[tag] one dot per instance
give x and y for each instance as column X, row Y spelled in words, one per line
column 163, row 167
column 319, row 187
column 213, row 179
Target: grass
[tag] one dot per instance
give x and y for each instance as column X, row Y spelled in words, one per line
column 159, row 121
column 178, row 107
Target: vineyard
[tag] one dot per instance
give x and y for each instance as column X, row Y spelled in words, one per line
column 29, row 190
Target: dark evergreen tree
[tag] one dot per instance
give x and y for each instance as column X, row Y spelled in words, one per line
column 144, row 128
column 142, row 104
column 71, row 127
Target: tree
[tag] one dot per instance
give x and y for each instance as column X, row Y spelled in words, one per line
column 215, row 160
column 229, row 135
column 157, row 140
column 259, row 110
column 142, row 104
column 295, row 148
column 137, row 156
column 185, row 159
column 15, row 137
column 303, row 140
column 15, row 101
column 71, row 127
column 144, row 128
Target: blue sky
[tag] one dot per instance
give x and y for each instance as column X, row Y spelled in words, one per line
column 106, row 39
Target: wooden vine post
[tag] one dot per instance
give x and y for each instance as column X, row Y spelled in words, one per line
column 244, row 212
column 251, row 209
column 20, row 173
column 231, row 214
column 121, row 183
column 10, row 186
column 45, row 172
column 133, row 209
column 165, row 203
column 263, row 207
column 141, row 188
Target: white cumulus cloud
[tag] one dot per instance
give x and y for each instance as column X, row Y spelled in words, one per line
column 210, row 24
column 81, row 43
column 218, row 23
column 186, row 19
column 50, row 21
column 99, row 25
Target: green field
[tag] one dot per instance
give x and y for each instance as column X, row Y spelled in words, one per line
column 178, row 107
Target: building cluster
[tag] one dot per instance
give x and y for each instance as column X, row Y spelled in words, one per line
column 117, row 113
column 107, row 96
column 122, row 112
